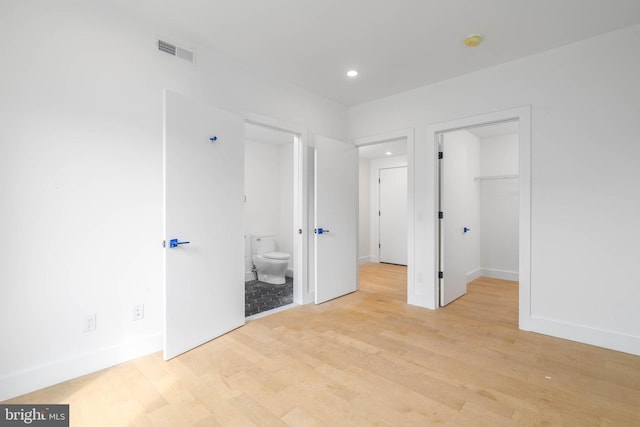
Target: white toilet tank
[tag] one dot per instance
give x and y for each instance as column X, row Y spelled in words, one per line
column 263, row 243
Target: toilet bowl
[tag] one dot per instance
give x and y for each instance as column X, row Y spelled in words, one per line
column 270, row 265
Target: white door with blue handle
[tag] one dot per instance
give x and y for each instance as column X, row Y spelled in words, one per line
column 336, row 203
column 203, row 228
column 459, row 204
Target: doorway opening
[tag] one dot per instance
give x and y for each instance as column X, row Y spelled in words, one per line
column 383, row 203
column 478, row 207
column 271, row 204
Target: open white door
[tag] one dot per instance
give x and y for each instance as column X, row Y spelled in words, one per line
column 393, row 215
column 459, row 204
column 203, row 211
column 336, row 204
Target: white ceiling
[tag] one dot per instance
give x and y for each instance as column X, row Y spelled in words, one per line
column 379, row 151
column 396, row 45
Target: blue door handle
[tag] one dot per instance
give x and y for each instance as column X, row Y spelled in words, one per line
column 173, row 243
column 320, row 230
column 466, row 229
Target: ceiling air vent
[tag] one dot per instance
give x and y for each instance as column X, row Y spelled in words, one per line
column 167, row 47
column 177, row 51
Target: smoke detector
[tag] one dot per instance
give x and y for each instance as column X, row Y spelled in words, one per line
column 473, row 40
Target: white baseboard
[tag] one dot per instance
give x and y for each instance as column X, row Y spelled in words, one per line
column 598, row 337
column 309, row 298
column 422, row 301
column 493, row 273
column 473, row 275
column 365, row 259
column 19, row 383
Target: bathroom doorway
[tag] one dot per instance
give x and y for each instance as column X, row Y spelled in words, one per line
column 270, row 219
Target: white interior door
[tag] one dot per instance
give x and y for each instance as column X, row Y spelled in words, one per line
column 459, row 204
column 393, row 215
column 203, row 208
column 336, row 207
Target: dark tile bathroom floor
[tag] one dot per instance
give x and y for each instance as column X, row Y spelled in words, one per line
column 261, row 296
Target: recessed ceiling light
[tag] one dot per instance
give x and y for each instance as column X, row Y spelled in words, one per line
column 473, row 40
column 352, row 73
column 388, row 153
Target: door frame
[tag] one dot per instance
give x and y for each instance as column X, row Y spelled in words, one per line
column 523, row 116
column 301, row 292
column 409, row 135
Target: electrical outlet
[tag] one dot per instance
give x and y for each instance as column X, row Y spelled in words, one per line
column 138, row 312
column 89, row 323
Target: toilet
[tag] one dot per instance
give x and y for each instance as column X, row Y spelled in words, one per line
column 270, row 265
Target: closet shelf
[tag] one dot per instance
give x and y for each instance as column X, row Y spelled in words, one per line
column 495, row 177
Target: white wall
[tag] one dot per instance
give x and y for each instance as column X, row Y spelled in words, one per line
column 269, row 190
column 499, row 199
column 374, row 220
column 364, row 211
column 585, row 162
column 81, row 179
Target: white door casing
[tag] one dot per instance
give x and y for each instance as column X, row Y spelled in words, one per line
column 392, row 215
column 523, row 116
column 336, row 207
column 203, row 174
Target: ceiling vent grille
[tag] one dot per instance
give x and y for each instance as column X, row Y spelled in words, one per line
column 176, row 51
column 166, row 47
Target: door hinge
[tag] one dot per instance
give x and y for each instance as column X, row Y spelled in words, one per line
column 378, row 213
column 164, row 243
column 440, row 275
column 440, row 155
column 378, row 245
column 378, row 180
column 440, row 214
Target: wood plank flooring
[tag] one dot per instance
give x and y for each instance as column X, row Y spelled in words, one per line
column 369, row 359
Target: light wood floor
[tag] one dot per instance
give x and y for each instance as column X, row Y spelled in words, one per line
column 369, row 359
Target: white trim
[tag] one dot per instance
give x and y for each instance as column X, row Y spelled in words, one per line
column 584, row 334
column 383, row 137
column 523, row 115
column 409, row 135
column 473, row 275
column 301, row 292
column 366, row 259
column 493, row 273
column 19, row 383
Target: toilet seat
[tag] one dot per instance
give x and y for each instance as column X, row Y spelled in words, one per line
column 276, row 255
